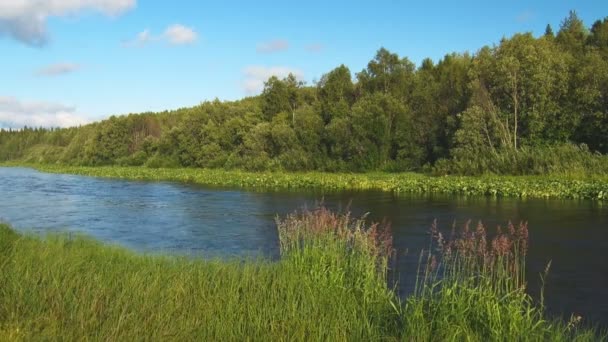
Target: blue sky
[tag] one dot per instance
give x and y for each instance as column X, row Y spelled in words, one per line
column 66, row 62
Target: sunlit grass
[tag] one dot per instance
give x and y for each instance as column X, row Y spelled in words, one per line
column 330, row 284
column 77, row 288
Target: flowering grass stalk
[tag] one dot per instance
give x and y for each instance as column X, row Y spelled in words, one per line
column 472, row 287
column 330, row 284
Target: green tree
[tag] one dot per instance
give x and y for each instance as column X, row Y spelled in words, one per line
column 599, row 37
column 549, row 32
column 110, row 142
column 336, row 93
column 589, row 101
column 389, row 74
column 526, row 78
column 572, row 34
column 453, row 79
column 275, row 98
column 281, row 96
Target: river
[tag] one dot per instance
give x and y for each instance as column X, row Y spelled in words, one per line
column 210, row 222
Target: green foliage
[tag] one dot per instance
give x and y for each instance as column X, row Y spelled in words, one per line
column 572, row 34
column 549, row 32
column 280, row 96
column 330, row 284
column 523, row 93
column 590, row 82
column 599, row 37
column 520, row 83
column 336, row 93
column 389, row 74
column 566, row 159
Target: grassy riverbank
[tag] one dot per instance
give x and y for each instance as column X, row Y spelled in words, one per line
column 549, row 186
column 330, row 284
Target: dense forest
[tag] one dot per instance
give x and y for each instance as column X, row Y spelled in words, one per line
column 527, row 105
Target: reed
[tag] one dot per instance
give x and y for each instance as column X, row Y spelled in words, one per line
column 329, row 284
column 473, row 287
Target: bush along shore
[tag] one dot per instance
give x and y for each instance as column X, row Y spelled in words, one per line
column 549, row 186
column 329, row 284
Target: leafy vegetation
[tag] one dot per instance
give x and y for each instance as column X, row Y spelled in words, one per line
column 524, row 106
column 330, row 284
column 564, row 159
column 552, row 186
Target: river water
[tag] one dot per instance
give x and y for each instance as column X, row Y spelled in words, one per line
column 210, row 222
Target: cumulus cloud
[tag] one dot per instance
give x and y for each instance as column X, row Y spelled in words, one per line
column 175, row 34
column 25, row 20
column 58, row 69
column 256, row 75
column 16, row 114
column 180, row 34
column 273, row 46
column 142, row 38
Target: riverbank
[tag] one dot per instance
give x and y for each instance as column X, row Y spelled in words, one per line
column 549, row 186
column 330, row 284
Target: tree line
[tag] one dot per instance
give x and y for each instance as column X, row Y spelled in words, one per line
column 507, row 108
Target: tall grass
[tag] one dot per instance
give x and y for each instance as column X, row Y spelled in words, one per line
column 474, row 288
column 330, row 284
column 324, row 288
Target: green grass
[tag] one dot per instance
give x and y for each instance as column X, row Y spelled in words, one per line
column 77, row 289
column 549, row 186
column 330, row 284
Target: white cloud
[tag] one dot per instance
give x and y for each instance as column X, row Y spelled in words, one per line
column 25, row 20
column 256, row 75
column 58, row 69
column 16, row 114
column 142, row 38
column 175, row 34
column 179, row 34
column 273, row 46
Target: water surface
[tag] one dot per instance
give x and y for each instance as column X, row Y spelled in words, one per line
column 194, row 220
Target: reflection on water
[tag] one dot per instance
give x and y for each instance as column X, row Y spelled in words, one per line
column 186, row 219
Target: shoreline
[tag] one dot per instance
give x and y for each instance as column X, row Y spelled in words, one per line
column 542, row 187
